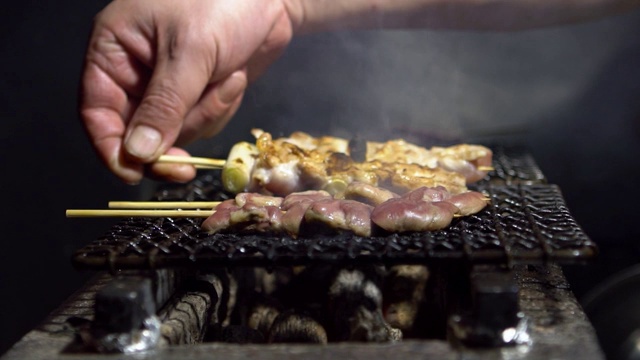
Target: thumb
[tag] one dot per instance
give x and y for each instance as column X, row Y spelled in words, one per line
column 175, row 86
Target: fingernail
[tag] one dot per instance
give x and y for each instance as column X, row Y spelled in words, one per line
column 143, row 142
column 232, row 87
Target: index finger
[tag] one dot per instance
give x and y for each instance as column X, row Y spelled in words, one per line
column 180, row 75
column 104, row 106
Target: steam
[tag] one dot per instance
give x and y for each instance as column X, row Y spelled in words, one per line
column 429, row 87
column 437, row 86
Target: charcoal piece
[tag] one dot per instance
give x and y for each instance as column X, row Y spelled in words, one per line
column 404, row 294
column 355, row 308
column 236, row 334
column 241, row 335
column 292, row 327
column 263, row 312
column 225, row 287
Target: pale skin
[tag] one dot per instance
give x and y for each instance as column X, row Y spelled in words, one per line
column 161, row 73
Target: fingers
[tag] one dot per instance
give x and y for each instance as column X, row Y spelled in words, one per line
column 179, row 78
column 207, row 117
column 215, row 108
column 162, row 71
column 103, row 106
column 128, row 132
column 173, row 172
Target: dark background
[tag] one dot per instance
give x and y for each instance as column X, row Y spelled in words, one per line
column 572, row 94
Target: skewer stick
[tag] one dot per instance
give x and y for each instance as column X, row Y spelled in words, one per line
column 138, row 213
column 163, row 204
column 198, row 162
column 486, row 168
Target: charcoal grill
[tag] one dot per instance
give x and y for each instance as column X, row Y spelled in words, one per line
column 505, row 257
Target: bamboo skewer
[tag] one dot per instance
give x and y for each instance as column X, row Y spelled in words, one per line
column 198, row 162
column 163, row 204
column 138, row 213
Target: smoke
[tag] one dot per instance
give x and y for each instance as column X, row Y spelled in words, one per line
column 569, row 93
column 439, row 86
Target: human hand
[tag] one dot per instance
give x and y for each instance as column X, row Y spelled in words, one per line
column 160, row 73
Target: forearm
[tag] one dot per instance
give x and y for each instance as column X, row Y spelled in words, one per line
column 496, row 15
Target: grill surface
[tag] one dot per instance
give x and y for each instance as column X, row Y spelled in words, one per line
column 526, row 222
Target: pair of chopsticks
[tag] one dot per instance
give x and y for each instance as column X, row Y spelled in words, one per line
column 149, row 209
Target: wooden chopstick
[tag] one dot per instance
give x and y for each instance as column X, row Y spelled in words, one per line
column 198, row 162
column 138, row 213
column 163, row 204
column 486, row 168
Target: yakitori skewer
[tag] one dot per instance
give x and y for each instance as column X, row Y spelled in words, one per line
column 282, row 165
column 210, row 163
column 163, row 204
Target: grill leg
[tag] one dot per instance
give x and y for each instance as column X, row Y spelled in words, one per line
column 493, row 317
column 125, row 319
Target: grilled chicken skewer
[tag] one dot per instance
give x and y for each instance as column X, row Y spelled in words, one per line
column 424, row 209
column 212, row 163
column 301, row 162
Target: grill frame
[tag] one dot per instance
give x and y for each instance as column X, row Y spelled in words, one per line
column 559, row 330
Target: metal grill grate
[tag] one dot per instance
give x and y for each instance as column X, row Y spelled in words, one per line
column 513, row 165
column 526, row 222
